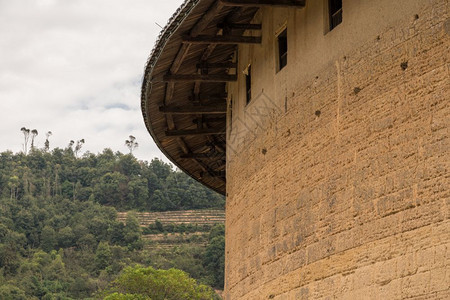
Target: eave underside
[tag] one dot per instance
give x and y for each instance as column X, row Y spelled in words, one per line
column 184, row 89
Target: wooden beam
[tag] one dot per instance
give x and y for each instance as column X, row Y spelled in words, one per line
column 222, row 167
column 215, row 96
column 198, row 109
column 203, row 155
column 259, row 3
column 221, row 174
column 210, row 14
column 240, row 26
column 217, row 65
column 196, row 30
column 200, row 77
column 207, row 98
column 222, row 39
column 213, row 174
column 189, row 132
column 181, row 55
column 210, row 120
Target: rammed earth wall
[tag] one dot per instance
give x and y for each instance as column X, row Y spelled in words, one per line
column 338, row 181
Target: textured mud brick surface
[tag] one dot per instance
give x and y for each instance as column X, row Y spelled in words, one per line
column 351, row 203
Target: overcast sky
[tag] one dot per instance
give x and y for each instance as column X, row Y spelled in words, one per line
column 74, row 67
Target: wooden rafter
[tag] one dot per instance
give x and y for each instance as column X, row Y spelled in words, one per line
column 190, row 132
column 201, row 120
column 240, row 26
column 203, row 155
column 217, row 65
column 200, row 77
column 209, row 97
column 222, row 39
column 196, row 30
column 210, row 14
column 202, row 100
column 259, row 3
column 210, row 120
column 191, row 109
column 204, row 21
column 220, row 174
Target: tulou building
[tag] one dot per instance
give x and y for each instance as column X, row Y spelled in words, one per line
column 326, row 125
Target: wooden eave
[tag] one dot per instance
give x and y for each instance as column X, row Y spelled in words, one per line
column 188, row 67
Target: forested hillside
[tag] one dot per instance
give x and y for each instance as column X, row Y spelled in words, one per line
column 59, row 233
column 109, row 178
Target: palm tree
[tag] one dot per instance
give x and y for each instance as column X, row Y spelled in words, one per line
column 131, row 143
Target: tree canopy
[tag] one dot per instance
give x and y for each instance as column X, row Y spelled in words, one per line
column 149, row 283
column 112, row 179
column 59, row 233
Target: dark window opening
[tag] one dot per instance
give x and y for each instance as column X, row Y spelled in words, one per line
column 282, row 49
column 248, row 84
column 231, row 114
column 335, row 12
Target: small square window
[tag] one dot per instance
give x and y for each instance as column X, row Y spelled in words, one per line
column 282, row 49
column 335, row 13
column 248, row 84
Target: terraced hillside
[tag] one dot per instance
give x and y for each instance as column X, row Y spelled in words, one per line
column 168, row 241
column 199, row 217
column 199, row 221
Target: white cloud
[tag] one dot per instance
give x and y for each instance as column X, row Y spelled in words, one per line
column 74, row 67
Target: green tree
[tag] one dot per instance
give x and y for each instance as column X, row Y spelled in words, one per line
column 48, row 238
column 47, row 142
column 112, row 189
column 131, row 144
column 24, row 221
column 214, row 261
column 216, row 230
column 98, row 226
column 132, row 232
column 78, row 147
column 103, row 256
column 11, row 292
column 150, row 283
column 87, row 241
column 34, row 133
column 26, row 136
column 161, row 169
column 11, row 249
column 120, row 296
column 137, row 192
column 56, row 269
column 116, row 233
column 128, row 165
column 13, row 184
column 159, row 202
column 214, row 257
column 66, row 237
column 47, row 202
column 159, row 226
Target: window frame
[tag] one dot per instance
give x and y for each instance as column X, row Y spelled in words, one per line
column 282, row 49
column 334, row 13
column 248, row 84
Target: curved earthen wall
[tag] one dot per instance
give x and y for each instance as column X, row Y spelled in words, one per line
column 338, row 170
